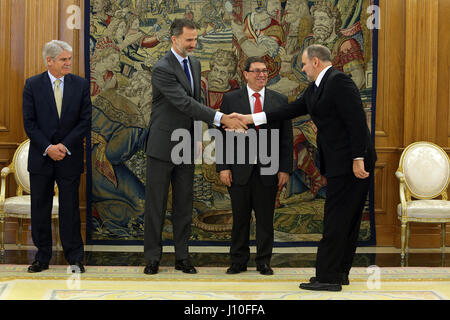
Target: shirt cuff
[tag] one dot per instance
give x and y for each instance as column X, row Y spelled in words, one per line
column 360, row 158
column 217, row 118
column 46, row 149
column 259, row 118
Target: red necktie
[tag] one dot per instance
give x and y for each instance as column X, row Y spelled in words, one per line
column 258, row 105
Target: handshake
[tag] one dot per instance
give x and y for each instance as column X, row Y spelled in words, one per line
column 236, row 121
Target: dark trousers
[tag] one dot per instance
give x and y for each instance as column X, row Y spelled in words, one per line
column 160, row 174
column 345, row 199
column 42, row 191
column 253, row 195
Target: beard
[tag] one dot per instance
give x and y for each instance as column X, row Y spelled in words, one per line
column 184, row 51
column 216, row 84
column 321, row 32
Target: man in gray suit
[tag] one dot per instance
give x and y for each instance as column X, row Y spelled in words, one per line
column 175, row 105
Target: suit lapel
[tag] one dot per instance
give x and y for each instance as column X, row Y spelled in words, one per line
column 245, row 103
column 268, row 101
column 66, row 94
column 195, row 67
column 179, row 72
column 316, row 95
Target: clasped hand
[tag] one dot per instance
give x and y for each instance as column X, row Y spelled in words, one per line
column 236, row 121
column 57, row 152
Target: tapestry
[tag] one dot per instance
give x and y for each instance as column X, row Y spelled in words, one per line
column 127, row 37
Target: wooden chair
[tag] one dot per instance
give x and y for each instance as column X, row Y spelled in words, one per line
column 424, row 174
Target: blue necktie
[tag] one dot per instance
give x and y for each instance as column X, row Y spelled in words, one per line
column 186, row 70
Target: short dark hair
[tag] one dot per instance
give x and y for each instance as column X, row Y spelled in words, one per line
column 319, row 51
column 251, row 60
column 176, row 28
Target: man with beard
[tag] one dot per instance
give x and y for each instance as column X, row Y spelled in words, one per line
column 347, row 55
column 220, row 78
column 175, row 105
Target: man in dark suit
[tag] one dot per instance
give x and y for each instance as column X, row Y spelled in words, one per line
column 347, row 158
column 249, row 187
column 175, row 105
column 56, row 116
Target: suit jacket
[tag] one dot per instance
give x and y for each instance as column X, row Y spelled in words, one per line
column 238, row 101
column 174, row 105
column 337, row 111
column 44, row 127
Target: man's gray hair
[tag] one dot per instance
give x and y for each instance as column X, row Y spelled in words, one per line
column 319, row 51
column 54, row 48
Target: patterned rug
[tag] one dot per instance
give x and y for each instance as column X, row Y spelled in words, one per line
column 129, row 283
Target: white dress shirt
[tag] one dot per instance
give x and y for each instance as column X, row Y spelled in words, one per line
column 252, row 99
column 61, row 84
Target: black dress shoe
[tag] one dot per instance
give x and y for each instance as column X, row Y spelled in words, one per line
column 37, row 266
column 236, row 268
column 345, row 281
column 321, row 286
column 151, row 267
column 77, row 267
column 185, row 266
column 264, row 269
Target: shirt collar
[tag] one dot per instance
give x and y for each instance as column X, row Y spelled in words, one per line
column 52, row 78
column 251, row 92
column 320, row 76
column 179, row 58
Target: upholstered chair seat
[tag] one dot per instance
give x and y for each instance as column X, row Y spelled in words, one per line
column 426, row 209
column 19, row 206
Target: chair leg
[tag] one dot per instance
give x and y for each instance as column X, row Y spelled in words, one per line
column 58, row 240
column 443, row 236
column 2, row 245
column 443, row 243
column 19, row 235
column 407, row 237
column 403, row 237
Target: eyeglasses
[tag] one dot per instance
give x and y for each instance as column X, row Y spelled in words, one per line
column 257, row 71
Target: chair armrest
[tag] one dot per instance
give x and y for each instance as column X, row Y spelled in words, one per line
column 402, row 191
column 400, row 175
column 5, row 172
